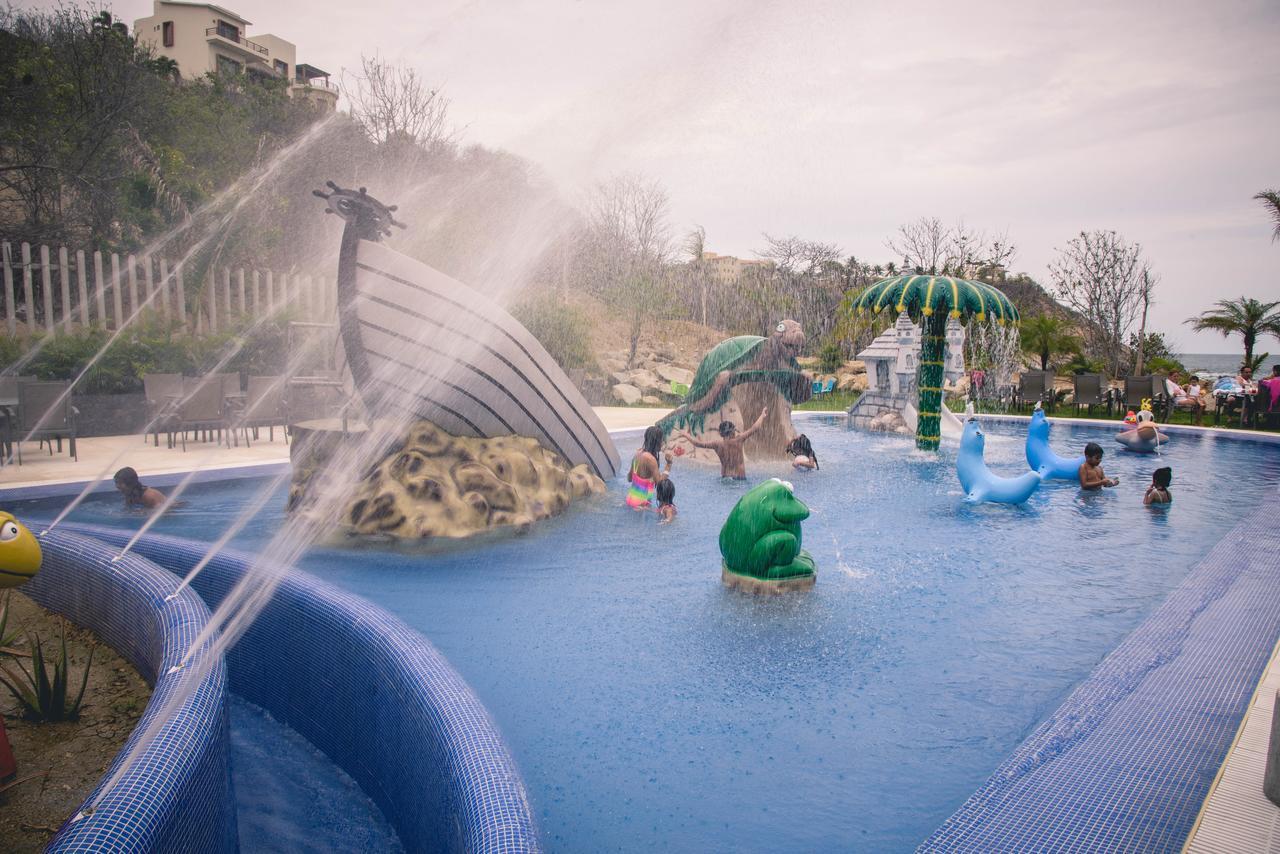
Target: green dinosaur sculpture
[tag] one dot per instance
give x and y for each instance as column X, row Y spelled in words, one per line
column 761, row 539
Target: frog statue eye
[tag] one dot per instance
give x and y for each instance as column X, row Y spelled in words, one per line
column 8, row 531
column 781, row 327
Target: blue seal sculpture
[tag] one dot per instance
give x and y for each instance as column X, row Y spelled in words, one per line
column 977, row 480
column 1041, row 457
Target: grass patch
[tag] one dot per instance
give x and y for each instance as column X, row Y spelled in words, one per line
column 836, row 401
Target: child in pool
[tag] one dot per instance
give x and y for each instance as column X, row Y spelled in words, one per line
column 135, row 493
column 801, row 451
column 1092, row 477
column 666, row 498
column 1158, row 491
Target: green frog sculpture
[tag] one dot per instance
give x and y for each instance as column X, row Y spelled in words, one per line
column 738, row 378
column 760, row 541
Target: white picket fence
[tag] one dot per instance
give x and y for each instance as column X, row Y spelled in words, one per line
column 61, row 290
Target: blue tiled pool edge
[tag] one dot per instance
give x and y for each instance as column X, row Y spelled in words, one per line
column 375, row 696
column 177, row 796
column 1126, row 761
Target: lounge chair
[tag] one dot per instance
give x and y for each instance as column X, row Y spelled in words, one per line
column 9, row 412
column 264, row 405
column 201, row 410
column 45, row 413
column 163, row 391
column 1136, row 390
column 1091, row 391
column 829, row 386
column 1035, row 387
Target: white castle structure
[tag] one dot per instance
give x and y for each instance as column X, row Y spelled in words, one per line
column 893, row 358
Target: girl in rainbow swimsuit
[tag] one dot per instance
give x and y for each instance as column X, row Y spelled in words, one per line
column 642, row 494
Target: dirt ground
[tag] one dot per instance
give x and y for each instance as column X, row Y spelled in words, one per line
column 63, row 760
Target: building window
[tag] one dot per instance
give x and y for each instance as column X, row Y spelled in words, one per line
column 227, row 31
column 228, row 67
column 282, row 68
column 166, row 30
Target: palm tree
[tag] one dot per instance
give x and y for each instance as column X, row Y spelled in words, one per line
column 1271, row 201
column 929, row 300
column 1044, row 335
column 1247, row 317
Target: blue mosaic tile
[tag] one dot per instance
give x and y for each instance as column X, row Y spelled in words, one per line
column 1127, row 760
column 376, row 697
column 177, row 796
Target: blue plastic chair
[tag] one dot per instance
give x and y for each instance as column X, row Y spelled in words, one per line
column 830, row 386
column 817, row 388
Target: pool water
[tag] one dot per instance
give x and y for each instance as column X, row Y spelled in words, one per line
column 650, row 708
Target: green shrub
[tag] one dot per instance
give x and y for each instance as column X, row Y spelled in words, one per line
column 11, row 350
column 563, row 328
column 44, row 698
column 830, row 357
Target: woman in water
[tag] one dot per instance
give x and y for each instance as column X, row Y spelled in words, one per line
column 135, row 494
column 801, row 451
column 645, row 474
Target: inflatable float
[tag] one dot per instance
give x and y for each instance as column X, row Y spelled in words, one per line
column 1143, row 437
column 977, row 480
column 1042, row 458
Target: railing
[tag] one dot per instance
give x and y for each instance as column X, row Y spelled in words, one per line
column 317, row 83
column 56, row 290
column 214, row 31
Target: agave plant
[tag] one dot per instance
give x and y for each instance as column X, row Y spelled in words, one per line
column 6, row 637
column 43, row 698
column 929, row 300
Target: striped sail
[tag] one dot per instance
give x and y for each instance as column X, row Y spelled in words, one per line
column 422, row 344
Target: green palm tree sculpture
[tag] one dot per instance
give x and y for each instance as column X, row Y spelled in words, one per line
column 1044, row 335
column 1246, row 317
column 930, row 300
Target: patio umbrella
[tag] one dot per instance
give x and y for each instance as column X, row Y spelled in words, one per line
column 929, row 301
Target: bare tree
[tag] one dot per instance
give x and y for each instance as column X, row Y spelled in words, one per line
column 695, row 246
column 395, row 106
column 1105, row 279
column 1147, row 290
column 922, row 245
column 626, row 246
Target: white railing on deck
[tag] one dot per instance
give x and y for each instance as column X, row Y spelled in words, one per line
column 56, row 291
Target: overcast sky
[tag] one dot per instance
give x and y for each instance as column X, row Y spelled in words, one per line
column 837, row 121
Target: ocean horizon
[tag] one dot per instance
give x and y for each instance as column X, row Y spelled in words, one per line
column 1224, row 363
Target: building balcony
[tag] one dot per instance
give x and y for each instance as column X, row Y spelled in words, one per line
column 237, row 42
column 316, row 83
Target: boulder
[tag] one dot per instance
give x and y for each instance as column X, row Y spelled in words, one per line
column 646, row 380
column 852, row 382
column 652, row 400
column 627, row 394
column 671, row 373
column 620, row 376
column 854, row 366
column 888, row 422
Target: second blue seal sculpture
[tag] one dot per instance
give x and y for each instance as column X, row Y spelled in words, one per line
column 977, row 480
column 1042, row 458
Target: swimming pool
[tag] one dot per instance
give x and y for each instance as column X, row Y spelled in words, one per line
column 648, row 707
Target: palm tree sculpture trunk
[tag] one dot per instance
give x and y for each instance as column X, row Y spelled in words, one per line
column 932, row 299
column 933, row 345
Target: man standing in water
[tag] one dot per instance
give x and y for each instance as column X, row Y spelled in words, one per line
column 728, row 446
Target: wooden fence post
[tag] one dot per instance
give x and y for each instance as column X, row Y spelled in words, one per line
column 271, row 296
column 82, row 277
column 180, row 302
column 131, row 264
column 11, row 318
column 164, row 288
column 226, row 297
column 211, row 292
column 149, row 286
column 64, row 277
column 28, row 289
column 115, row 290
column 240, row 292
column 257, row 295
column 46, row 287
column 100, row 288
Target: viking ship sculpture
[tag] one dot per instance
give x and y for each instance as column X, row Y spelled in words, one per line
column 422, row 345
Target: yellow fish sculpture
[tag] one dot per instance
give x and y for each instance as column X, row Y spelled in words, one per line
column 19, row 552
